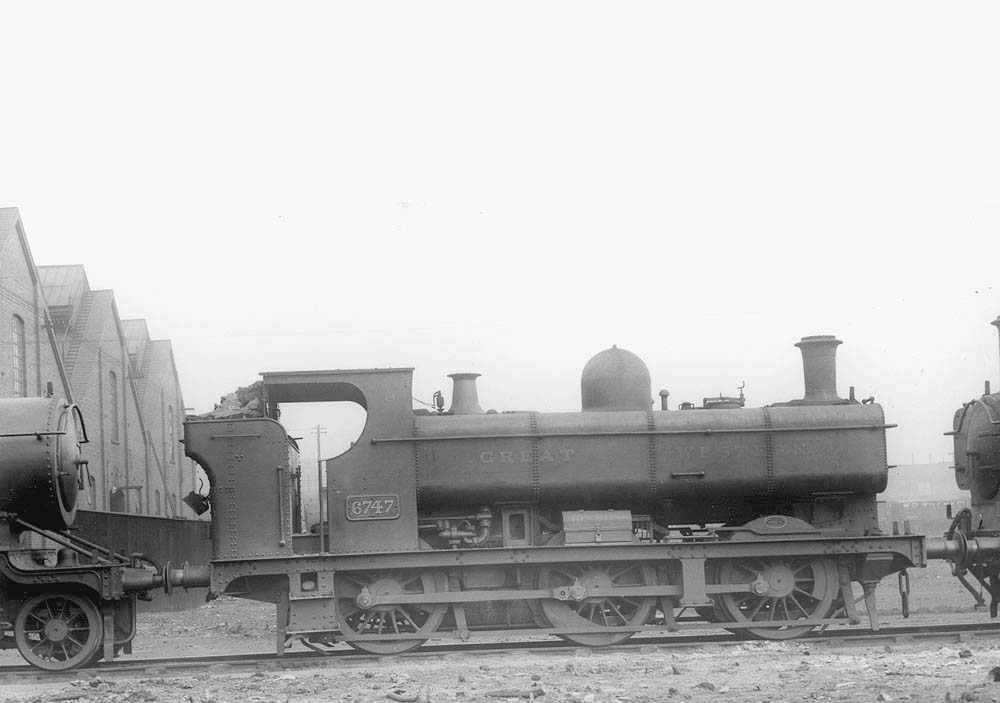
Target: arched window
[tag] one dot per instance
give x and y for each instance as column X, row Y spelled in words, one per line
column 170, row 432
column 113, row 403
column 20, row 360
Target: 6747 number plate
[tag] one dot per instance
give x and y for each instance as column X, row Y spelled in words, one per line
column 385, row 507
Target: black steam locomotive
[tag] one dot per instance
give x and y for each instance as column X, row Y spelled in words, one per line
column 591, row 526
column 64, row 601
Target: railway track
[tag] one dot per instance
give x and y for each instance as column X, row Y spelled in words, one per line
column 249, row 663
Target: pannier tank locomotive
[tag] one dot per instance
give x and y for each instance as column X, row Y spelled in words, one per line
column 591, row 526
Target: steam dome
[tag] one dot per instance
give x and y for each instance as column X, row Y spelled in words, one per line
column 615, row 379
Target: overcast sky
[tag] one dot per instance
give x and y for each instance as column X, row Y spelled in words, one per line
column 510, row 188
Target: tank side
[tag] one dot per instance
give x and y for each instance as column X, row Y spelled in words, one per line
column 641, row 459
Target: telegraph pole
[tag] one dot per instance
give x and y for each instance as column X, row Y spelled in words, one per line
column 319, row 481
column 996, row 323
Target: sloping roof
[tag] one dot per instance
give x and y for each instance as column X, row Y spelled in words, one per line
column 136, row 330
column 8, row 218
column 64, row 285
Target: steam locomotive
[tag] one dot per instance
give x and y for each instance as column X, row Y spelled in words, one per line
column 591, row 526
column 973, row 538
column 64, row 601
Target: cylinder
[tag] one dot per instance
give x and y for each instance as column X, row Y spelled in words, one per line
column 819, row 368
column 464, row 394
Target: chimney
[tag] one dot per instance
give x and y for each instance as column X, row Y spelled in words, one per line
column 819, row 368
column 464, row 395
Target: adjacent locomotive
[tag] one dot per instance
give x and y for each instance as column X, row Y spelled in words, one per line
column 63, row 601
column 976, row 433
column 591, row 526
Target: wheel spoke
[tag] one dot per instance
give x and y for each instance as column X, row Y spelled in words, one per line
column 760, row 604
column 418, row 579
column 784, row 606
column 805, row 593
column 611, row 604
column 791, row 596
column 569, row 575
column 614, row 577
column 408, row 619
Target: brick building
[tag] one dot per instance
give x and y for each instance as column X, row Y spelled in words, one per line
column 28, row 357
column 60, row 331
column 162, row 406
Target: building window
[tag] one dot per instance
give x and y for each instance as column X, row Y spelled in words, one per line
column 114, row 406
column 157, row 497
column 118, row 500
column 170, row 432
column 20, row 360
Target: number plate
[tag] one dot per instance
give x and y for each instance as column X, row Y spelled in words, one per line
column 372, row 507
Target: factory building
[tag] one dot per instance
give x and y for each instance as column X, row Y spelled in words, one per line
column 62, row 336
column 28, row 357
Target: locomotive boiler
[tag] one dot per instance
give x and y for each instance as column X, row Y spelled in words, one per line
column 590, row 526
column 723, row 463
column 63, row 601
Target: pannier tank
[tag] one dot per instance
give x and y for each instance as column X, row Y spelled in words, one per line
column 619, row 453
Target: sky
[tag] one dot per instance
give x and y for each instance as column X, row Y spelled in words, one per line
column 509, row 188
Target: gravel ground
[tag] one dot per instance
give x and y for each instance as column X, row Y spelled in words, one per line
column 754, row 672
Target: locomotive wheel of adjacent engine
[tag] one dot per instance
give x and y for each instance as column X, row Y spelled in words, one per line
column 58, row 631
column 406, row 619
column 796, row 589
column 602, row 611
